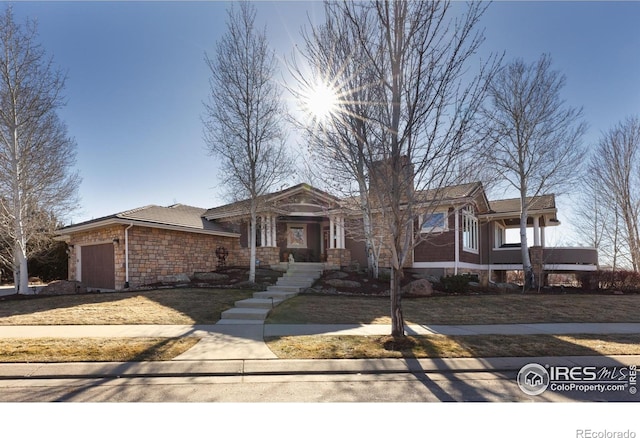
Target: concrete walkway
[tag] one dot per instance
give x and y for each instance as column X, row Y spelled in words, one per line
column 245, row 341
column 239, row 350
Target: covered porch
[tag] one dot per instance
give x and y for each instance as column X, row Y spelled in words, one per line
column 300, row 222
column 301, row 238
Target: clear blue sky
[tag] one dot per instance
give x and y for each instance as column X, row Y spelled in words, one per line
column 137, row 80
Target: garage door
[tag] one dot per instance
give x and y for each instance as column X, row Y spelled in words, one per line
column 98, row 266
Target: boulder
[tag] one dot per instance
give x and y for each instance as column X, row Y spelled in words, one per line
column 178, row 278
column 336, row 274
column 418, row 288
column 338, row 283
column 63, row 287
column 209, row 276
column 432, row 278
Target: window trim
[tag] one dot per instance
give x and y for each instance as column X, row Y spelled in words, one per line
column 441, row 228
column 470, row 221
column 290, row 236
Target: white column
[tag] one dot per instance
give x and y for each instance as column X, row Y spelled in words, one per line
column 456, row 245
column 267, row 231
column 263, row 232
column 332, row 233
column 274, row 234
column 542, row 239
column 536, row 231
column 342, row 235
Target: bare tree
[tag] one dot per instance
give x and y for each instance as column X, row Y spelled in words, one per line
column 598, row 216
column 339, row 73
column 536, row 137
column 417, row 112
column 615, row 166
column 244, row 113
column 36, row 153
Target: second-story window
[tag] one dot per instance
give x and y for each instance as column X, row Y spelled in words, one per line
column 469, row 230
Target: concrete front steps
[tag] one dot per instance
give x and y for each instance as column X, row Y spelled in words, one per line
column 298, row 277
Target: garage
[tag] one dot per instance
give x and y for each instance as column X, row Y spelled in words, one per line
column 98, row 266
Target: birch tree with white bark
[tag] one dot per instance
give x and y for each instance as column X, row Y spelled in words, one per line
column 36, row 153
column 536, row 138
column 244, row 114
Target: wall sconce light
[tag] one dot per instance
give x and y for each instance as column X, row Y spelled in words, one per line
column 116, row 240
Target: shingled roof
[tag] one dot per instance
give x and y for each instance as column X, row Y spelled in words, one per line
column 177, row 216
column 512, row 206
column 240, row 208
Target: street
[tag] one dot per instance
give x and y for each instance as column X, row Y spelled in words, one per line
column 394, row 387
column 387, row 403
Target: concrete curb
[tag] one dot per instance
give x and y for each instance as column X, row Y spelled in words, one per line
column 265, row 367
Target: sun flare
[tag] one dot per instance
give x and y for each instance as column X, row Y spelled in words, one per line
column 322, row 101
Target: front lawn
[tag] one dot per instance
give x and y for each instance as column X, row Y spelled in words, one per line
column 460, row 309
column 165, row 306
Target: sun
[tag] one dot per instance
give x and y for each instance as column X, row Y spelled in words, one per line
column 321, row 101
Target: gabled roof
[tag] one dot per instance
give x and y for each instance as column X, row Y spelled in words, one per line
column 537, row 204
column 176, row 217
column 508, row 211
column 456, row 194
column 270, row 200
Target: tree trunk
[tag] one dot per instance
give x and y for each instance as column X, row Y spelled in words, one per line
column 252, row 246
column 372, row 259
column 397, row 319
column 21, row 272
column 527, row 269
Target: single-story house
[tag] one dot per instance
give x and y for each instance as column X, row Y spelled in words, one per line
column 465, row 233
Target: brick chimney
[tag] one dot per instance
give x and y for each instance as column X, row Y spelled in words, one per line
column 380, row 179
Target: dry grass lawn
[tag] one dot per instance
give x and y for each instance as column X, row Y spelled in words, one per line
column 167, row 306
column 93, row 349
column 203, row 306
column 460, row 309
column 435, row 346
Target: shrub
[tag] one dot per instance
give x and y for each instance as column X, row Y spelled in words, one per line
column 457, row 283
column 626, row 281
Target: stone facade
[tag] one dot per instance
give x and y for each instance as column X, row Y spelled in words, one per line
column 337, row 258
column 104, row 235
column 266, row 255
column 154, row 253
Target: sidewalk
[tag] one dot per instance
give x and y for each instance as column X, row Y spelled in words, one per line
column 239, row 350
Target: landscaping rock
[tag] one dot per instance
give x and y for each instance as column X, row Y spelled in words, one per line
column 336, row 275
column 432, row 278
column 63, row 287
column 418, row 288
column 338, row 283
column 178, row 278
column 209, row 276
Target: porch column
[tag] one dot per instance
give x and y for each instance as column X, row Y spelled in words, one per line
column 341, row 232
column 456, row 245
column 267, row 220
column 542, row 239
column 332, row 234
column 536, row 231
column 274, row 234
column 263, row 231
